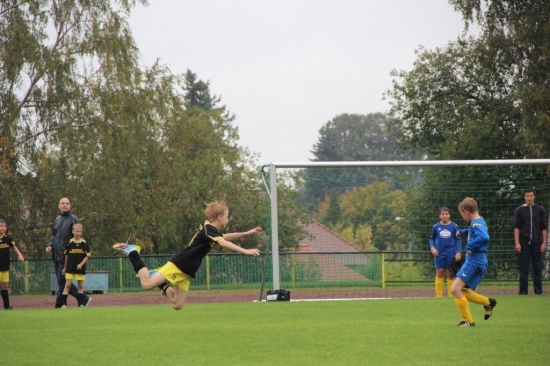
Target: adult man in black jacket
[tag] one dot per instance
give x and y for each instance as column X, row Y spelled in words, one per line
column 62, row 232
column 530, row 229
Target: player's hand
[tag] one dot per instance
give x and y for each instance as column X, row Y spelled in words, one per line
column 434, row 251
column 254, row 252
column 48, row 249
column 256, row 230
column 21, row 259
column 518, row 248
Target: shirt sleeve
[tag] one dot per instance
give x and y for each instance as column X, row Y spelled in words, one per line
column 431, row 240
column 479, row 238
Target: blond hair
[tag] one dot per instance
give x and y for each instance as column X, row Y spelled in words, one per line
column 215, row 209
column 468, row 204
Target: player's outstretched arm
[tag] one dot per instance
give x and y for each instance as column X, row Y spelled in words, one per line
column 233, row 236
column 233, row 247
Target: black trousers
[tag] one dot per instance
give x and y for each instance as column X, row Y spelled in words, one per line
column 530, row 253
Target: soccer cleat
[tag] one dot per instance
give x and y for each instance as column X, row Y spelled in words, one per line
column 126, row 248
column 466, row 324
column 87, row 303
column 489, row 308
column 63, row 306
column 9, row 308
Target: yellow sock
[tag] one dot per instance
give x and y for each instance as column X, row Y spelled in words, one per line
column 438, row 286
column 475, row 297
column 449, row 285
column 464, row 309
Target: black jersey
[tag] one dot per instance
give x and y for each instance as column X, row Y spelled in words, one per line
column 189, row 259
column 76, row 252
column 6, row 243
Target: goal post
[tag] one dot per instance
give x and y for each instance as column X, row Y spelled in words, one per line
column 499, row 180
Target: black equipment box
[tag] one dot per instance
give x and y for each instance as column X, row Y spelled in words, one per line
column 278, row 295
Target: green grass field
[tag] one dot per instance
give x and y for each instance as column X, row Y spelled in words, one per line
column 377, row 332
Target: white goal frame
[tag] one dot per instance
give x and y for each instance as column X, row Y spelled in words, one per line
column 361, row 164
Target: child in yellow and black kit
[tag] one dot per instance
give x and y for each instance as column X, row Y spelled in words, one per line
column 6, row 242
column 76, row 256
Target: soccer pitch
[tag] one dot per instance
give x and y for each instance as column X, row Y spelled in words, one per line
column 378, row 332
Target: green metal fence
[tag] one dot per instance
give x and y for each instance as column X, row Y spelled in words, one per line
column 299, row 271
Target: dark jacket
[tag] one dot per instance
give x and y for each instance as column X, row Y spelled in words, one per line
column 62, row 232
column 531, row 221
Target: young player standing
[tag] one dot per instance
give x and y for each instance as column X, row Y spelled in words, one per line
column 445, row 246
column 471, row 273
column 76, row 256
column 181, row 268
column 6, row 243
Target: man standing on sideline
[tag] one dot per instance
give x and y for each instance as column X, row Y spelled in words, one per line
column 530, row 229
column 62, row 232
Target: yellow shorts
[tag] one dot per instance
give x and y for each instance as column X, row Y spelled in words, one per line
column 4, row 276
column 78, row 277
column 175, row 276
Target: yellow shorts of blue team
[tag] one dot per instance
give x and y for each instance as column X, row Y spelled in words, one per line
column 175, row 276
column 4, row 276
column 72, row 276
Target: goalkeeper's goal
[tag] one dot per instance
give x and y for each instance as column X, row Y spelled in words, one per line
column 359, row 230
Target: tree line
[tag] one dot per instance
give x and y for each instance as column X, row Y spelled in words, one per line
column 140, row 150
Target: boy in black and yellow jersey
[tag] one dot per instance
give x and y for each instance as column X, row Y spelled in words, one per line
column 76, row 256
column 6, row 242
column 181, row 268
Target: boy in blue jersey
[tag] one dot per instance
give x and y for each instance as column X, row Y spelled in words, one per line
column 445, row 246
column 471, row 273
column 181, row 268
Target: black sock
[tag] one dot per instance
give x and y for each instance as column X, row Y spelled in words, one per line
column 64, row 299
column 164, row 287
column 81, row 298
column 136, row 261
column 6, row 299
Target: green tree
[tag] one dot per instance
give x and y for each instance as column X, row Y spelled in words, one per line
column 519, row 29
column 490, row 93
column 353, row 137
column 49, row 51
column 136, row 154
column 483, row 97
column 377, row 207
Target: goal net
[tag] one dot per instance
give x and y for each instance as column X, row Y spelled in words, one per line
column 366, row 224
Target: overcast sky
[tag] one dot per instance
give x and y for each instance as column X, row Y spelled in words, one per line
column 287, row 67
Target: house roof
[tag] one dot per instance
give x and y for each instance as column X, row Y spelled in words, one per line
column 324, row 240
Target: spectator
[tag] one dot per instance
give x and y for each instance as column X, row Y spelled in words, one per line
column 61, row 234
column 530, row 230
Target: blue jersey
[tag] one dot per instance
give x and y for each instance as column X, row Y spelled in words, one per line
column 444, row 239
column 478, row 241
